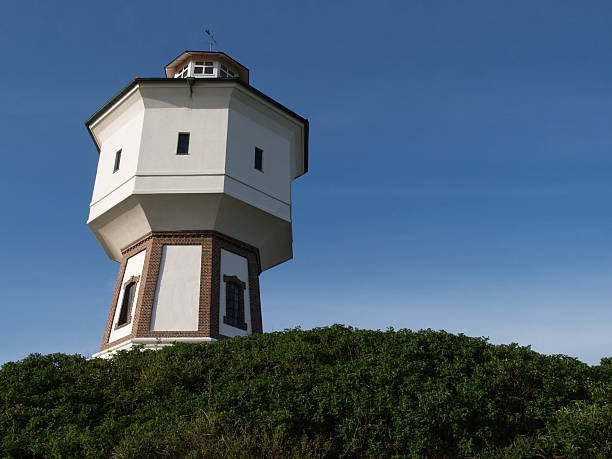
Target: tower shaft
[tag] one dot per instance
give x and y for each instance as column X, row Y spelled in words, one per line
column 178, row 278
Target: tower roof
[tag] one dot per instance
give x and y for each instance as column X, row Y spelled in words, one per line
column 186, row 57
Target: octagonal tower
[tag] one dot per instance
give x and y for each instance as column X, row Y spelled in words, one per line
column 193, row 197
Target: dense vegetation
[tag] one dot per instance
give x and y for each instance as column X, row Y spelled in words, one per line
column 325, row 392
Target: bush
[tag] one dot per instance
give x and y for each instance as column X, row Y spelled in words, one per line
column 331, row 391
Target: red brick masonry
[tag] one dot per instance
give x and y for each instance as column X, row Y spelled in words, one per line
column 210, row 280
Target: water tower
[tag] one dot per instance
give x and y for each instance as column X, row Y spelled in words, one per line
column 193, row 198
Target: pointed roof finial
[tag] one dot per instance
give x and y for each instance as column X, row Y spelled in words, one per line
column 211, row 39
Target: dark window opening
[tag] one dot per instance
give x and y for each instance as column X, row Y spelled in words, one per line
column 182, row 147
column 126, row 304
column 203, row 68
column 259, row 159
column 117, row 161
column 224, row 72
column 234, row 302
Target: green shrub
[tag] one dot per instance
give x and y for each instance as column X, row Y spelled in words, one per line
column 331, row 391
column 580, row 430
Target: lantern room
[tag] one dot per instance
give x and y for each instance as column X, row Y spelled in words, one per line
column 201, row 64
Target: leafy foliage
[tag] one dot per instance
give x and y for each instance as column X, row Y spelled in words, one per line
column 331, row 391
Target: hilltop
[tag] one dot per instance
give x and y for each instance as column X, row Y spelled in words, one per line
column 332, row 391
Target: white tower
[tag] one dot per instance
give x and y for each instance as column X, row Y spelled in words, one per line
column 193, row 197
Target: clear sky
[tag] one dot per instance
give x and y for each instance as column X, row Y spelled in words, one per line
column 460, row 162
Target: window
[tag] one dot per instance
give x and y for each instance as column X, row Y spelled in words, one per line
column 182, row 147
column 234, row 302
column 224, row 72
column 259, row 159
column 203, row 68
column 126, row 303
column 117, row 161
column 183, row 73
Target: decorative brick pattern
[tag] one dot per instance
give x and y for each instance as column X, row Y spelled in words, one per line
column 210, row 278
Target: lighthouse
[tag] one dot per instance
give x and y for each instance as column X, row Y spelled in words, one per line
column 192, row 197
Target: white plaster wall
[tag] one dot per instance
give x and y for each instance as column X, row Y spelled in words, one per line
column 248, row 128
column 177, row 296
column 121, row 130
column 133, row 268
column 170, row 110
column 234, row 265
column 245, row 193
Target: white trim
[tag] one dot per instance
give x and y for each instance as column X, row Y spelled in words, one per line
column 256, row 189
column 179, row 190
column 176, row 339
column 261, row 100
column 149, row 344
column 114, row 106
column 93, row 203
column 191, row 172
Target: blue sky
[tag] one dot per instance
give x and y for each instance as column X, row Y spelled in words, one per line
column 460, row 162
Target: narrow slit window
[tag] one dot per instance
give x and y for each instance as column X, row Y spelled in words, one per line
column 182, row 147
column 117, row 161
column 259, row 159
column 232, row 303
column 126, row 304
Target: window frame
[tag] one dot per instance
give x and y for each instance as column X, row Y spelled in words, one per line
column 239, row 286
column 117, row 163
column 178, row 143
column 226, row 73
column 204, row 66
column 125, row 309
column 259, row 151
column 184, row 73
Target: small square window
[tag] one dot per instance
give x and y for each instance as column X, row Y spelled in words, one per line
column 208, row 70
column 259, row 159
column 198, row 70
column 117, row 161
column 182, row 147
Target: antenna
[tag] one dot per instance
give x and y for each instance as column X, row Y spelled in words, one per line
column 211, row 39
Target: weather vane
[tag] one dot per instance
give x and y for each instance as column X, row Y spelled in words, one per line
column 211, row 39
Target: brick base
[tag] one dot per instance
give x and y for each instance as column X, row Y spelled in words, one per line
column 210, row 284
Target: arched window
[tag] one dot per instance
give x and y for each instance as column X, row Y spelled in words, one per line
column 234, row 302
column 128, row 298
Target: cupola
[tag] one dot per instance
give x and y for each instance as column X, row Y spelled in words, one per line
column 202, row 64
